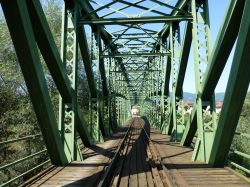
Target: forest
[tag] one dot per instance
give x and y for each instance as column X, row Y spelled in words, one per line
column 18, row 120
column 17, row 117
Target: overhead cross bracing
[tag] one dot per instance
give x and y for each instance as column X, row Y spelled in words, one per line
column 135, row 30
column 134, row 53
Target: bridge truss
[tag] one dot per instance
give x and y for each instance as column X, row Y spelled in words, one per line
column 133, row 52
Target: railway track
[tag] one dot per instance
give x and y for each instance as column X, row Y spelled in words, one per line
column 136, row 162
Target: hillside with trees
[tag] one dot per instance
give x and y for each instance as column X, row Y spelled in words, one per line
column 17, row 117
column 240, row 148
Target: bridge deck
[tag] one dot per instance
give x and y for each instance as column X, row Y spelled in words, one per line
column 137, row 170
column 184, row 172
column 85, row 173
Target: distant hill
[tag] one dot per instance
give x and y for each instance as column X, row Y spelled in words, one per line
column 190, row 97
column 219, row 96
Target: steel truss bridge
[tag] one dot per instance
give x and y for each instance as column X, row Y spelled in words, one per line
column 134, row 53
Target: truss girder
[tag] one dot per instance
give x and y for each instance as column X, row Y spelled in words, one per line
column 217, row 61
column 128, row 61
column 236, row 91
column 223, row 46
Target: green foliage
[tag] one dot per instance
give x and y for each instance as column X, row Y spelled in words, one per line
column 241, row 142
column 17, row 117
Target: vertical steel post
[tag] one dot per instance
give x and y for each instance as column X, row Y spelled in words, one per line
column 201, row 41
column 98, row 83
column 68, row 111
column 173, row 74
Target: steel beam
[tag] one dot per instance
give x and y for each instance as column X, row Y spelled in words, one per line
column 83, row 45
column 223, row 46
column 102, row 72
column 169, row 6
column 135, row 71
column 119, row 55
column 190, row 129
column 134, row 37
column 48, row 49
column 101, row 8
column 81, row 128
column 167, row 77
column 68, row 110
column 181, row 4
column 142, row 7
column 106, row 37
column 235, row 93
column 201, row 41
column 119, row 9
column 101, row 85
column 178, row 118
column 51, row 55
column 225, row 39
column 135, row 34
column 141, row 20
column 184, row 59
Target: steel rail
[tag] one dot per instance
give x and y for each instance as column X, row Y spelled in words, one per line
column 22, row 159
column 31, row 137
column 108, row 172
column 170, row 180
column 23, row 174
column 239, row 166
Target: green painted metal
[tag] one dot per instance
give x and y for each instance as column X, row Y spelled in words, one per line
column 23, row 38
column 131, row 64
column 223, row 46
column 235, row 93
column 23, row 159
column 48, row 48
column 100, row 125
column 181, row 4
column 176, row 102
column 87, row 61
column 169, row 6
column 184, row 59
column 68, row 110
column 30, row 137
column 190, row 129
column 240, row 167
column 201, row 40
column 94, row 110
column 106, row 37
column 141, row 7
column 25, row 173
column 119, row 9
column 50, row 53
column 219, row 55
column 134, row 55
column 153, row 19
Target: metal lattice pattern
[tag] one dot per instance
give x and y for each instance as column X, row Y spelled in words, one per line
column 135, row 55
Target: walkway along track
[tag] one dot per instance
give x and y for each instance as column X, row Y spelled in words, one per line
column 130, row 158
column 136, row 162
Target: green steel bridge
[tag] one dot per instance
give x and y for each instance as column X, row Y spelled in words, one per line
column 137, row 58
